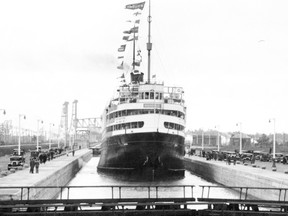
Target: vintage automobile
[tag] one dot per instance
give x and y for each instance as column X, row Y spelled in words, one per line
column 284, row 159
column 265, row 157
column 278, row 157
column 15, row 152
column 246, row 156
column 257, row 154
column 16, row 161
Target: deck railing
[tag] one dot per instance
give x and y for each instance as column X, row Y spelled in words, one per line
column 244, row 192
column 116, row 191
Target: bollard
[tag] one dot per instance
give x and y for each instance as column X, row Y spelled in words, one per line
column 274, row 165
column 263, row 167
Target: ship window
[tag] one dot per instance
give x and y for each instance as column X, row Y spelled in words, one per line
column 125, row 126
column 157, row 95
column 145, row 112
column 140, row 124
column 146, row 95
column 170, row 125
column 151, row 95
column 134, row 124
column 161, row 96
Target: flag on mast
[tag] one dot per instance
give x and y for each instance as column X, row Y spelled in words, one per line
column 136, row 38
column 122, row 48
column 122, row 76
column 121, row 67
column 135, row 6
column 137, row 13
column 132, row 30
column 125, row 38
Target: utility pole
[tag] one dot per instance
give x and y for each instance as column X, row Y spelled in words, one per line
column 240, row 136
column 65, row 118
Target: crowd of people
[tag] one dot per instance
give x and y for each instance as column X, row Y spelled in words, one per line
column 39, row 157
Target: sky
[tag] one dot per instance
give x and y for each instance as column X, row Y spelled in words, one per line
column 230, row 56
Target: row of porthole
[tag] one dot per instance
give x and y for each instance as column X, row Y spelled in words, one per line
column 173, row 126
column 121, row 113
column 140, row 124
column 123, row 126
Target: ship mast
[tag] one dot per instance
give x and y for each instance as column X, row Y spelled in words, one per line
column 149, row 44
column 134, row 48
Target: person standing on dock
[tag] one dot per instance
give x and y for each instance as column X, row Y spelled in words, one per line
column 37, row 164
column 32, row 164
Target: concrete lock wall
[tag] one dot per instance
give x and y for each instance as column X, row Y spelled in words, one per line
column 60, row 177
column 240, row 176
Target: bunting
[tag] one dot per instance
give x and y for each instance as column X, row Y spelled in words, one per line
column 121, row 67
column 139, row 55
column 135, row 6
column 122, row 48
column 137, row 13
column 125, row 38
column 136, row 38
column 122, row 76
column 132, row 30
column 138, row 59
column 136, row 64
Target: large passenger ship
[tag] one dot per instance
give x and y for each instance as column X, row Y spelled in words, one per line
column 143, row 126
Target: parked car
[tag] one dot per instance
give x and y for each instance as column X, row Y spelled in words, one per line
column 257, row 154
column 246, row 156
column 265, row 157
column 285, row 159
column 15, row 152
column 16, row 161
column 278, row 157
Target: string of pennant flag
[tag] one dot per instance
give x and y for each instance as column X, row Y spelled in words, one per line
column 130, row 35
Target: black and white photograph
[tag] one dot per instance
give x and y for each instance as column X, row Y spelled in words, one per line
column 143, row 107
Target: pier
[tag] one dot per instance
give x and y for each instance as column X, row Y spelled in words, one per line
column 47, row 193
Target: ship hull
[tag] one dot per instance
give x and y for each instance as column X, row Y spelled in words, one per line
column 148, row 155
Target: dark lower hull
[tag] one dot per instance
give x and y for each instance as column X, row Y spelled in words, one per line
column 150, row 155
